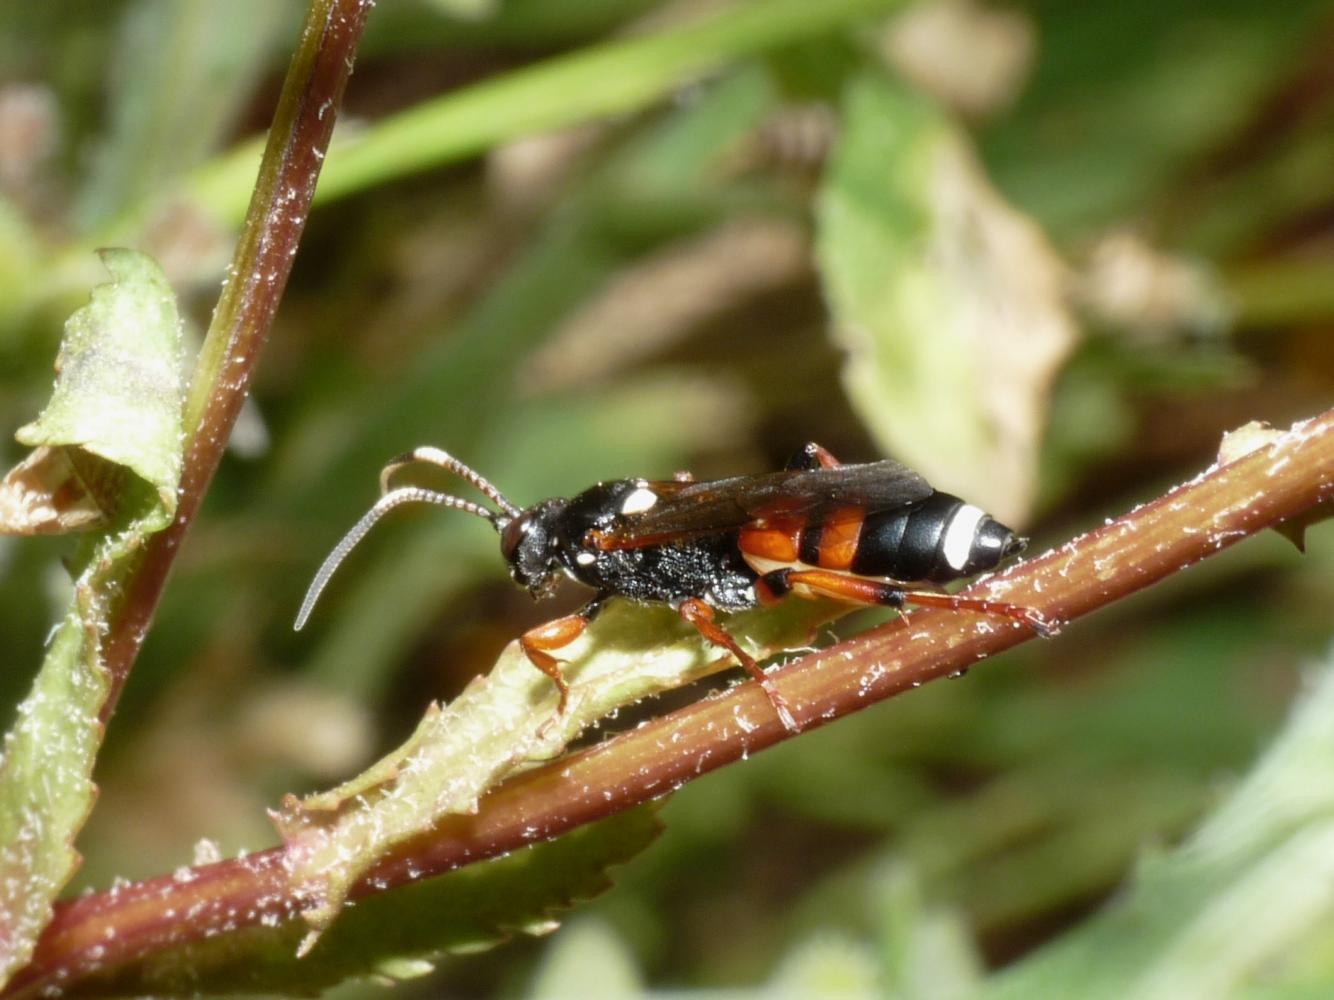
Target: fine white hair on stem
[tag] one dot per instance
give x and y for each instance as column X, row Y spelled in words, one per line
column 438, row 456
column 386, row 503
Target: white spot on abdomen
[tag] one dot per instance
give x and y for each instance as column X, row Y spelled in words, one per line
column 638, row 501
column 959, row 535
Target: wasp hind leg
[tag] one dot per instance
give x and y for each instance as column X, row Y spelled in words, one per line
column 537, row 643
column 1015, row 612
column 773, row 586
column 700, row 615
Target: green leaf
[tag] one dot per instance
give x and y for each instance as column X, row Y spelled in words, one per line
column 501, row 722
column 827, row 966
column 118, row 394
column 587, row 959
column 401, row 933
column 1232, row 905
column 117, row 400
column 948, row 303
column 925, row 951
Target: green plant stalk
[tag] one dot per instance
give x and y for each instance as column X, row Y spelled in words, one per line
column 302, row 126
column 1155, row 541
column 117, row 596
column 618, row 77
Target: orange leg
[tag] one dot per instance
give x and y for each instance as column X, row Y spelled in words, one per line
column 536, row 642
column 1015, row 612
column 856, row 590
column 700, row 615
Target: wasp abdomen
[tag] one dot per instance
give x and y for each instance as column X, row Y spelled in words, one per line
column 937, row 539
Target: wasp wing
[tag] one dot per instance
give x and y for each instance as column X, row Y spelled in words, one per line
column 688, row 510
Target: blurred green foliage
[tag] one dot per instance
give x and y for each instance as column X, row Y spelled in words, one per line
column 495, row 298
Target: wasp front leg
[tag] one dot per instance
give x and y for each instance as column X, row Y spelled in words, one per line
column 537, row 643
column 700, row 615
column 775, row 585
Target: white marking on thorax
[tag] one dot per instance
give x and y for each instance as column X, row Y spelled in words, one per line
column 638, row 501
column 585, row 558
column 959, row 535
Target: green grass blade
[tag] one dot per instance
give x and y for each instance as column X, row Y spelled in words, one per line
column 618, row 77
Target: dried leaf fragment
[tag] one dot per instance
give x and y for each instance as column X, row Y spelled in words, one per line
column 46, row 495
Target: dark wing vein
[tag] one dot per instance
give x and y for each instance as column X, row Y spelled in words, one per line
column 692, row 509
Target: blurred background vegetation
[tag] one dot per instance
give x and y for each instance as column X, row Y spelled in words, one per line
column 1045, row 252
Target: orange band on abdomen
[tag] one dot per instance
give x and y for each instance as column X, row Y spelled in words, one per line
column 839, row 535
column 776, row 542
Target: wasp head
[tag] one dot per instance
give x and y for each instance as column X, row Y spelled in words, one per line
column 529, row 543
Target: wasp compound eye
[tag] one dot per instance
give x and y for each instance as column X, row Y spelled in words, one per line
column 512, row 534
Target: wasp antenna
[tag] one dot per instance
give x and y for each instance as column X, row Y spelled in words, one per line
column 442, row 458
column 386, row 503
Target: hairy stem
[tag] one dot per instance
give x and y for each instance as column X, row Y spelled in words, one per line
column 1222, row 506
column 297, row 142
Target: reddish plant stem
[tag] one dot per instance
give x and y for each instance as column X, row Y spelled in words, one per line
column 1151, row 543
column 260, row 267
